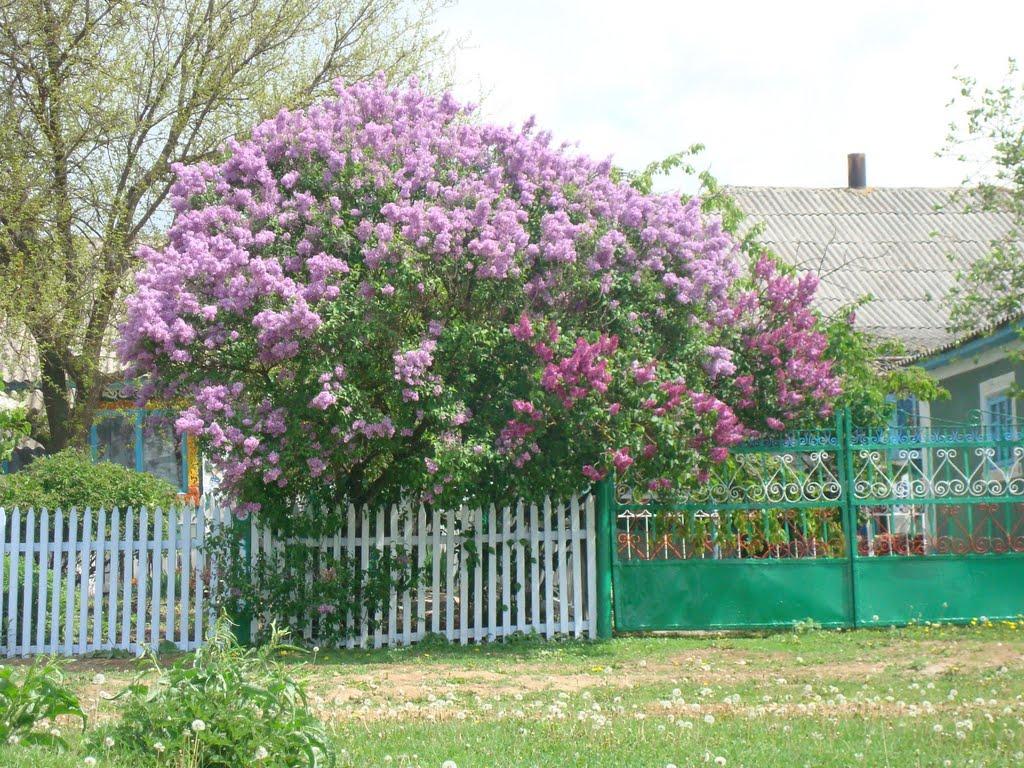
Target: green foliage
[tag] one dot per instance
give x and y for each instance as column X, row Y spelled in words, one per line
column 871, row 371
column 71, row 479
column 13, row 427
column 991, row 289
column 38, row 694
column 643, row 181
column 224, row 707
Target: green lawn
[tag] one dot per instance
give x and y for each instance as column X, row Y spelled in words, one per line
column 921, row 696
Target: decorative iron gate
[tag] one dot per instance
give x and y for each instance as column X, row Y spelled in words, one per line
column 841, row 527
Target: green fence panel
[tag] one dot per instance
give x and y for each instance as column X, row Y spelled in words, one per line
column 954, row 588
column 731, row 594
column 843, row 527
column 758, row 543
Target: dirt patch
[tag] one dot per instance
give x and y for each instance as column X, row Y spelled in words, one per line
column 417, row 683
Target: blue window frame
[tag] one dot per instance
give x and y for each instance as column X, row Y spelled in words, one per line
column 141, row 440
column 999, row 423
column 908, row 415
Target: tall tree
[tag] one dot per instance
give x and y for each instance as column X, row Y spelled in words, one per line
column 987, row 135
column 102, row 98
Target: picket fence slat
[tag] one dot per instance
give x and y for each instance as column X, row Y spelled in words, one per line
column 78, row 581
column 27, row 569
column 97, row 603
column 449, row 582
column 492, row 571
column 577, row 587
column 44, row 575
column 12, row 584
column 478, row 576
column 421, row 591
column 591, row 569
column 58, row 562
column 157, row 580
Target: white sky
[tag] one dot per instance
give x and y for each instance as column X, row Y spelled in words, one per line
column 779, row 91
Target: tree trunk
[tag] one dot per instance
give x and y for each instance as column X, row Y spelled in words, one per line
column 69, row 417
column 55, row 400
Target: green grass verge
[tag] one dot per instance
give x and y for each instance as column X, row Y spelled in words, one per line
column 920, row 696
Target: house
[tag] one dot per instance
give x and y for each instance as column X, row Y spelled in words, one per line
column 904, row 247
column 137, row 438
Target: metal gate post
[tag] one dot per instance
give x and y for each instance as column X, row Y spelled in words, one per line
column 605, row 493
column 844, row 459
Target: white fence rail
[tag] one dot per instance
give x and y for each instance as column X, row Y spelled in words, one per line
column 77, row 582
column 486, row 575
column 80, row 582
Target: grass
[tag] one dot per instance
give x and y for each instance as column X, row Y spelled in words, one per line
column 920, row 696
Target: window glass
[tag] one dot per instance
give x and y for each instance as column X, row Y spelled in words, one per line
column 161, row 450
column 907, row 414
column 115, row 438
column 999, row 420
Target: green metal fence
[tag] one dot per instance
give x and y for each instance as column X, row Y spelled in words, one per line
column 843, row 527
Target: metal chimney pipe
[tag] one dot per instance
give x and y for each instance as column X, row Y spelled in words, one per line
column 856, row 170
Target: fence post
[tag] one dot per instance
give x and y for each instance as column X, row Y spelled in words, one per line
column 242, row 618
column 605, row 492
column 844, row 459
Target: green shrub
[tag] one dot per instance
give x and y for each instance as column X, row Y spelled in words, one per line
column 71, row 479
column 224, row 707
column 39, row 695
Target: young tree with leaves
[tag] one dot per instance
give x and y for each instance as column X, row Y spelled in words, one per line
column 102, row 99
column 992, row 121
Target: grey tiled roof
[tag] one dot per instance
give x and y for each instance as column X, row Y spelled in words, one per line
column 890, row 243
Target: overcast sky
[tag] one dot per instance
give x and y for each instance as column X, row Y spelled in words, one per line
column 779, row 92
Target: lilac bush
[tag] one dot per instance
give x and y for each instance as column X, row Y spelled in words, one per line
column 381, row 295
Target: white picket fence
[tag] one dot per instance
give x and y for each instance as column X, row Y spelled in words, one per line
column 529, row 569
column 79, row 582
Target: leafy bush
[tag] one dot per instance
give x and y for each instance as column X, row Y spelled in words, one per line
column 71, row 479
column 299, row 584
column 226, row 706
column 39, row 695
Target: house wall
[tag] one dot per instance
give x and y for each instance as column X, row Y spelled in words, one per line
column 963, row 377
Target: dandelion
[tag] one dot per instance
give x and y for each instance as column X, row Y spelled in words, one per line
column 719, row 760
column 99, row 679
column 709, row 719
column 13, row 739
column 89, row 762
column 261, row 753
column 198, row 726
column 158, row 747
column 449, row 764
column 108, row 742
